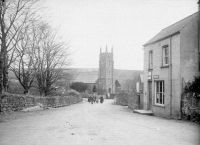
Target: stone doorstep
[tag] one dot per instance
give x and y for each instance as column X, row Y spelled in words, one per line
column 145, row 112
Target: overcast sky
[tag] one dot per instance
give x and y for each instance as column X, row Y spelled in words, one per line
column 124, row 24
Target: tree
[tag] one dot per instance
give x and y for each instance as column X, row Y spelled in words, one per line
column 51, row 56
column 65, row 79
column 13, row 15
column 193, row 87
column 79, row 86
column 117, row 84
column 25, row 62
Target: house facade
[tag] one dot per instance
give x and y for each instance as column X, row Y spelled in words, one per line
column 171, row 59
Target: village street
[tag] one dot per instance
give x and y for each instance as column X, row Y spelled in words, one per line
column 96, row 124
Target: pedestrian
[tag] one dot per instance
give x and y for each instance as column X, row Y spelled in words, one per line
column 92, row 99
column 97, row 99
column 101, row 99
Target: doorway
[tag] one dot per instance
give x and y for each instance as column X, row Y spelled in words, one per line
column 149, row 95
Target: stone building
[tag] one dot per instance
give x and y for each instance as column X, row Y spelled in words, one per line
column 171, row 59
column 106, row 72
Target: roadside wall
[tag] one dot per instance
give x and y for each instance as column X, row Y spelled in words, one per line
column 13, row 102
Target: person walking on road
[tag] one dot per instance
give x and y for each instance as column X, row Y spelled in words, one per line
column 101, row 99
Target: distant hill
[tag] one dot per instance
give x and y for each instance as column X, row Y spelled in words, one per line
column 126, row 78
column 126, row 74
column 90, row 75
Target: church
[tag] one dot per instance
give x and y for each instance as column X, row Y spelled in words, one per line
column 106, row 73
column 105, row 77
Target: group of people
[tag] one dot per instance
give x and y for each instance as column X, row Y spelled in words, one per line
column 95, row 99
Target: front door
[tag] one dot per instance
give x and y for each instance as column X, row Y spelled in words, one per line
column 149, row 95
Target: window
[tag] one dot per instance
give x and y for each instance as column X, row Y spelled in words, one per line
column 159, row 92
column 151, row 59
column 165, row 55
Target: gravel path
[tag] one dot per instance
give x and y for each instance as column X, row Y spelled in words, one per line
column 97, row 124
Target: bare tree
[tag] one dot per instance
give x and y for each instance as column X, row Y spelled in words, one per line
column 13, row 15
column 52, row 56
column 24, row 65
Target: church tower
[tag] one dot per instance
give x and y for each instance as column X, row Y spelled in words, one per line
column 106, row 72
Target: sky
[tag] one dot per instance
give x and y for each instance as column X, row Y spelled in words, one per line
column 125, row 25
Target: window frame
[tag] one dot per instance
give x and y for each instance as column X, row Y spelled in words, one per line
column 164, row 56
column 162, row 93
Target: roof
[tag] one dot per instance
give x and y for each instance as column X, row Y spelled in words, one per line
column 172, row 29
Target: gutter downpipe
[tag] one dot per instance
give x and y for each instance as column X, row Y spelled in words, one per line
column 199, row 33
column 170, row 77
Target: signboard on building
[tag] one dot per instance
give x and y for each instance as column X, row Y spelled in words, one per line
column 150, row 75
column 138, row 87
column 155, row 77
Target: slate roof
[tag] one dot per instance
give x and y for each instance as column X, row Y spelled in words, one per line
column 172, row 29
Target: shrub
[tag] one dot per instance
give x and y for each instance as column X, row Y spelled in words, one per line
column 72, row 93
column 193, row 87
column 122, row 98
column 79, row 86
column 191, row 100
column 85, row 95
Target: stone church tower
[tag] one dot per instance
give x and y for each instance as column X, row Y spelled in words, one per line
column 106, row 72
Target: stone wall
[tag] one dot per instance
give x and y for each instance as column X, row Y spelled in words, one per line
column 13, row 102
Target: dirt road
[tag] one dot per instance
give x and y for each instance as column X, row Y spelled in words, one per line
column 96, row 124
